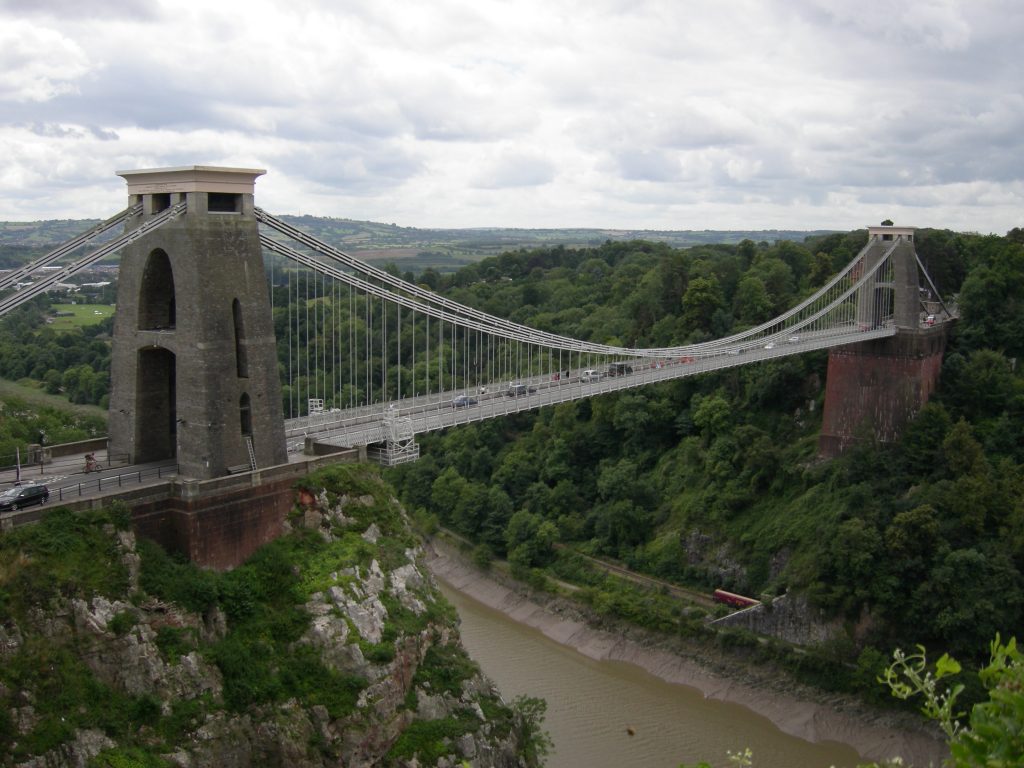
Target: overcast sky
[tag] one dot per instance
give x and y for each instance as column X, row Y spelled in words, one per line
column 627, row 114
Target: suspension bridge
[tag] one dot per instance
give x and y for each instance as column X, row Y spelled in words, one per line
column 240, row 339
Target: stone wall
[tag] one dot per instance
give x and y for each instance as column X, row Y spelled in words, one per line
column 787, row 618
column 218, row 531
column 876, row 387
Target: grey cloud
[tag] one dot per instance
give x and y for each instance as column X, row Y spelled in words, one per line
column 647, row 165
column 123, row 97
column 355, row 169
column 66, row 9
column 55, row 131
column 103, row 134
column 516, row 171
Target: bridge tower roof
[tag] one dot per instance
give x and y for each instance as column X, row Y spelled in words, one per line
column 889, row 229
column 191, row 178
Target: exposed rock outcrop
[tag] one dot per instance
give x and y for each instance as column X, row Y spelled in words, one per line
column 372, row 618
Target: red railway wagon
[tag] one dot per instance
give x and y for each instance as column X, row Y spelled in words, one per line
column 736, row 601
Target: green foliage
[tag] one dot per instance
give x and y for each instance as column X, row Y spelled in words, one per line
column 122, row 622
column 175, row 642
column 993, row 736
column 22, row 424
column 443, row 670
column 80, row 357
column 534, row 741
column 482, row 556
column 430, row 740
column 67, row 554
column 68, row 697
column 127, row 757
column 174, row 579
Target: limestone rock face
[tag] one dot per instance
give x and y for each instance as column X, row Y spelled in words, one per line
column 132, row 662
column 373, row 620
column 10, row 639
column 714, row 558
column 73, row 754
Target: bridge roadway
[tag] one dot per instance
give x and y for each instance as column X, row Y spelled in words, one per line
column 67, row 480
column 365, row 425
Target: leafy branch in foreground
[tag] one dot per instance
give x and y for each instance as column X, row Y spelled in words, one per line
column 909, row 676
column 994, row 734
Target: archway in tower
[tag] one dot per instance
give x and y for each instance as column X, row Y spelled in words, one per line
column 157, row 308
column 156, row 418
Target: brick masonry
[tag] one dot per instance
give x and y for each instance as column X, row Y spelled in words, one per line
column 874, row 389
column 220, row 531
column 216, row 523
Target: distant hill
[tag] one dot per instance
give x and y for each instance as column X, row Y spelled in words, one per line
column 416, row 249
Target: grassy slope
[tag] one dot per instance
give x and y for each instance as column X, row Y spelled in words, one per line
column 82, row 315
column 34, row 396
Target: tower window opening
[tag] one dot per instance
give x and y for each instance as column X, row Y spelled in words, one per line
column 245, row 414
column 223, row 202
column 241, row 358
column 161, row 201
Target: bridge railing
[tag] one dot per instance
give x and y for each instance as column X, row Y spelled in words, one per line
column 120, row 480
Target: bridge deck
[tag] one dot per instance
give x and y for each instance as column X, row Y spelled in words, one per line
column 365, row 425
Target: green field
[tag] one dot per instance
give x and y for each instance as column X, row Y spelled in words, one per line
column 81, row 315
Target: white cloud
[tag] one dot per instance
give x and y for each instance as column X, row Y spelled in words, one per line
column 37, row 63
column 654, row 114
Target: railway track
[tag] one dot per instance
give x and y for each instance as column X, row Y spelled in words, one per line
column 691, row 595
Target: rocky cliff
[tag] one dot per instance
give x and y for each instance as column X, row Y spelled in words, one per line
column 329, row 647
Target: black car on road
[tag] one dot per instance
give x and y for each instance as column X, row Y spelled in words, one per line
column 21, row 496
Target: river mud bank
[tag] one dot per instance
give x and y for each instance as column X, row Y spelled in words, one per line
column 794, row 708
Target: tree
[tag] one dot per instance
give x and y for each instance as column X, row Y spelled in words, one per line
column 52, row 381
column 967, row 596
column 712, row 415
column 530, row 540
column 821, row 269
column 751, row 303
column 992, row 299
column 702, row 298
column 534, row 742
column 777, row 277
column 981, row 385
column 964, row 454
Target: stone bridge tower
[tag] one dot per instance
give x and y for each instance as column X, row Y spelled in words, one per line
column 876, row 387
column 194, row 365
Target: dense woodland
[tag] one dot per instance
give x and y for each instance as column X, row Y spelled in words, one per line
column 714, row 481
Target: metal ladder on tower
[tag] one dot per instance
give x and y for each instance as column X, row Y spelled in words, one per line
column 252, row 452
